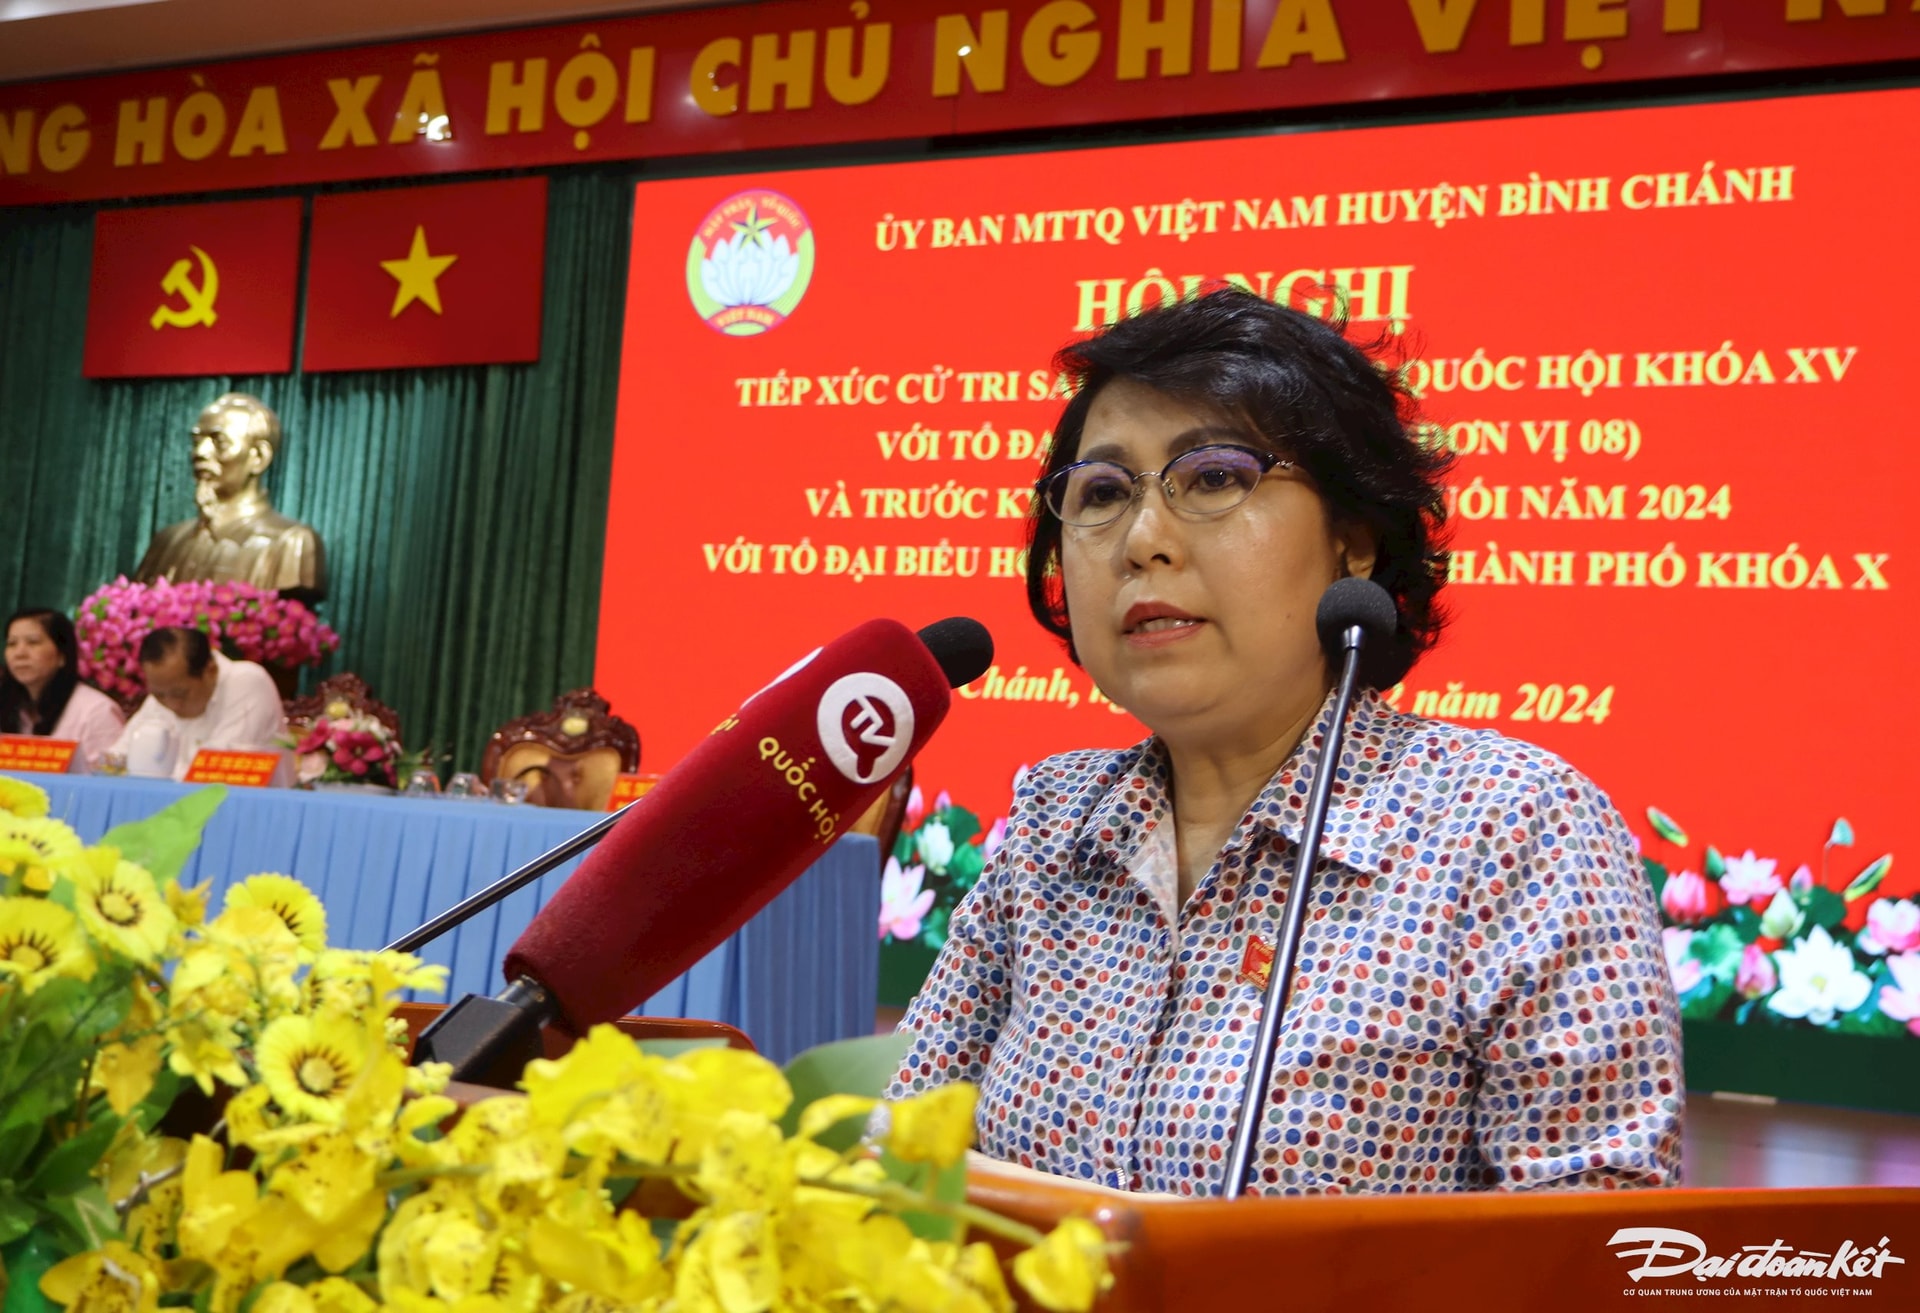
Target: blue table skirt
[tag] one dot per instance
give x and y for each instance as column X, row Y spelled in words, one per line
column 803, row 972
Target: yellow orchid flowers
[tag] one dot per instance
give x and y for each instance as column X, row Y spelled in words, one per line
column 337, row 1178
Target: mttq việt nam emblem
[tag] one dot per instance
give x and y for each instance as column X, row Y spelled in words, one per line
column 750, row 262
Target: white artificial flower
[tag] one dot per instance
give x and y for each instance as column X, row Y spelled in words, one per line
column 935, row 843
column 1818, row 980
column 903, row 903
column 745, row 271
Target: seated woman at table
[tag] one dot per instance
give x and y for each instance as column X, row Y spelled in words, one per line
column 41, row 691
column 1482, row 1001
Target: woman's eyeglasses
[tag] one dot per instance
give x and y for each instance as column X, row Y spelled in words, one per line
column 1205, row 481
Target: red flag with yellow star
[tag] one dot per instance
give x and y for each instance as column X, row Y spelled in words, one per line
column 193, row 289
column 417, row 276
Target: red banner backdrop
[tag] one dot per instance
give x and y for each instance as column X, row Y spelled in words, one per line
column 193, row 290
column 1680, row 534
column 808, row 71
column 420, row 276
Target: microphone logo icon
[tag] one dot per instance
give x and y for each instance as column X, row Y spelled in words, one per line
column 865, row 722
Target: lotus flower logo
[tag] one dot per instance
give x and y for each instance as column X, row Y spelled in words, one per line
column 750, row 262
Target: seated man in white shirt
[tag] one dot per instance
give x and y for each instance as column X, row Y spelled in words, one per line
column 197, row 698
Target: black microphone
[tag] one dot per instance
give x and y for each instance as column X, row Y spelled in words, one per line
column 1352, row 611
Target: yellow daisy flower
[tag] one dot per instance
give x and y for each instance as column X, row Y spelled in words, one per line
column 40, row 941
column 120, row 905
column 33, row 850
column 289, row 900
column 22, row 798
column 311, row 1063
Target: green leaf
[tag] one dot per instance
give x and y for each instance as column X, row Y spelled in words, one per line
column 1666, row 827
column 1869, row 879
column 966, row 867
column 1824, row 907
column 949, row 1186
column 1656, row 876
column 1714, row 864
column 17, row 1143
column 89, row 1214
column 1718, row 950
column 1842, row 836
column 1705, row 1000
column 69, row 1168
column 1746, row 921
column 864, row 1066
column 163, row 842
column 961, row 824
column 16, row 1218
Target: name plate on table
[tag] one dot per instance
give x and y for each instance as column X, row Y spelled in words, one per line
column 626, row 788
column 218, row 766
column 29, row 752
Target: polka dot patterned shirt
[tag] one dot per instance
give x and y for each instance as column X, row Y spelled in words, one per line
column 1481, row 999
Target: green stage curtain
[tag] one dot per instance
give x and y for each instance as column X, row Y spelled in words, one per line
column 463, row 509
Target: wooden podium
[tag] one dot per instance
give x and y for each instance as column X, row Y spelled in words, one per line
column 1483, row 1252
column 1486, row 1253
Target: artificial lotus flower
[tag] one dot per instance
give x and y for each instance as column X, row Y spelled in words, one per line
column 1750, row 880
column 34, row 851
column 1901, row 999
column 745, row 270
column 1687, row 896
column 934, row 843
column 1685, row 969
column 935, row 1127
column 903, row 903
column 121, row 906
column 292, row 902
column 40, row 941
column 1893, row 926
column 1818, row 980
column 1069, row 1269
column 1782, row 918
column 22, row 798
column 1756, row 977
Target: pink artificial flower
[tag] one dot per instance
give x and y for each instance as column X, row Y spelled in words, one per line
column 1901, row 999
column 1750, row 880
column 1893, row 926
column 1687, row 896
column 903, row 903
column 942, row 801
column 1756, row 975
column 1802, row 881
column 316, row 738
column 1685, row 969
column 916, row 809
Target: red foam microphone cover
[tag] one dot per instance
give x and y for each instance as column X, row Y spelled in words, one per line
column 734, row 823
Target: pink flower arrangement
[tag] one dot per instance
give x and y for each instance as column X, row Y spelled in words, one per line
column 252, row 624
column 347, row 749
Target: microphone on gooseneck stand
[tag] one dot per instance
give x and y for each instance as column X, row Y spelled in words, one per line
column 715, row 840
column 1352, row 612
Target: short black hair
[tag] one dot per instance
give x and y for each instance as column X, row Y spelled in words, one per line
column 1303, row 388
column 159, row 644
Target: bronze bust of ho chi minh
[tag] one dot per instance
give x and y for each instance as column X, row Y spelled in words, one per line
column 237, row 536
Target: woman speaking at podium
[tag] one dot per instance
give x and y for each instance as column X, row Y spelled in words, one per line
column 1483, row 1000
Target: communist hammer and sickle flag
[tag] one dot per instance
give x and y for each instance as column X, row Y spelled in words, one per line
column 228, row 273
column 199, row 296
